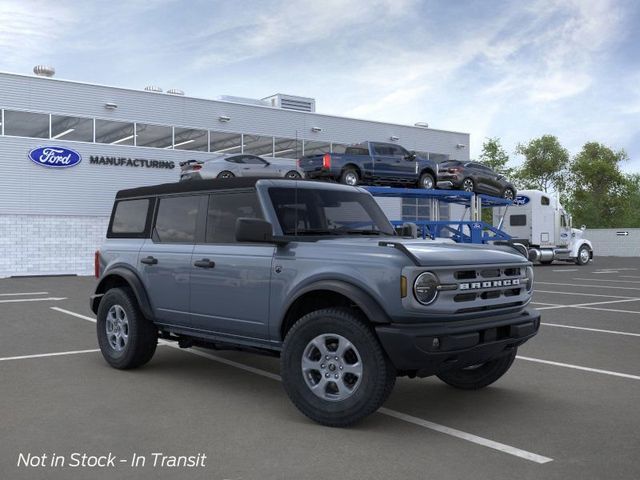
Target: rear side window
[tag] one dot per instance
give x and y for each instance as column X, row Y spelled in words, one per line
column 357, row 151
column 176, row 219
column 130, row 218
column 225, row 209
column 518, row 220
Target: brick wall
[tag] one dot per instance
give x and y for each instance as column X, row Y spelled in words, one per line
column 46, row 244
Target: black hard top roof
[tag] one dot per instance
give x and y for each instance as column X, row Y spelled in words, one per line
column 189, row 186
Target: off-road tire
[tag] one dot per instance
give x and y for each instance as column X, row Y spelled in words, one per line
column 378, row 375
column 474, row 378
column 346, row 173
column 142, row 333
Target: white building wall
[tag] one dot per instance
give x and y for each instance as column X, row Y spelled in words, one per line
column 612, row 241
column 49, row 244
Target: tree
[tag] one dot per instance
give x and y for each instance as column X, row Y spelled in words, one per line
column 545, row 164
column 495, row 157
column 600, row 192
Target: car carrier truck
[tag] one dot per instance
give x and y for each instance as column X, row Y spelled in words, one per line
column 539, row 222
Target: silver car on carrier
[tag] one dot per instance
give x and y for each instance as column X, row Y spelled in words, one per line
column 240, row 165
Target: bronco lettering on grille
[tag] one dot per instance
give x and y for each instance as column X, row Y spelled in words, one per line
column 489, row 284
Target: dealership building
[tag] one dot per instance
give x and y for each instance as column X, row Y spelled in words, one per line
column 52, row 219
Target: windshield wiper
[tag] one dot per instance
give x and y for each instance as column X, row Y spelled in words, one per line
column 312, row 232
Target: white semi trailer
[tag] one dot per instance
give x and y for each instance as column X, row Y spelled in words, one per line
column 538, row 221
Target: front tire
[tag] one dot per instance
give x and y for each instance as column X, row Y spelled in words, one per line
column 479, row 376
column 334, row 369
column 427, row 181
column 127, row 339
column 584, row 255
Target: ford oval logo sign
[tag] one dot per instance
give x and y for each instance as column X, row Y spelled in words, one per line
column 55, row 157
column 521, row 200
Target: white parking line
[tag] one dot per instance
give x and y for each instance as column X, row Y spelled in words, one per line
column 73, row 314
column 588, row 286
column 533, row 457
column 611, row 310
column 578, row 367
column 27, row 293
column 599, row 330
column 587, row 305
column 566, row 270
column 607, row 280
column 47, row 299
column 55, row 354
column 584, row 294
column 629, row 276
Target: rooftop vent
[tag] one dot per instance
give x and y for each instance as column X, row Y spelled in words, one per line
column 44, row 71
column 292, row 102
column 175, row 91
column 153, row 88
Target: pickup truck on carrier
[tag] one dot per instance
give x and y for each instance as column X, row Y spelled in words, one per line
column 372, row 163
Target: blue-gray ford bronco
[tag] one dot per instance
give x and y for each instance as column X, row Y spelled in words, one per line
column 313, row 273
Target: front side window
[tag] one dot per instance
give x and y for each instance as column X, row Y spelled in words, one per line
column 328, row 212
column 26, row 124
column 253, row 160
column 545, row 201
column 225, row 209
column 130, row 217
column 176, row 219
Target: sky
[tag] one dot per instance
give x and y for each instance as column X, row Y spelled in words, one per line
column 509, row 69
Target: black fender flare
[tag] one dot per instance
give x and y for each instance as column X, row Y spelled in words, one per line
column 369, row 306
column 133, row 281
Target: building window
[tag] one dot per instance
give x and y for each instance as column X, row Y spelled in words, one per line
column 224, row 142
column 287, row 148
column 316, row 148
column 258, row 145
column 71, row 128
column 115, row 133
column 26, row 124
column 156, row 136
column 190, row 139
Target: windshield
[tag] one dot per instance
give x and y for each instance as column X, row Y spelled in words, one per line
column 328, row 212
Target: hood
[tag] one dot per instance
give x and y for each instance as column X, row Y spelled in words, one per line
column 434, row 253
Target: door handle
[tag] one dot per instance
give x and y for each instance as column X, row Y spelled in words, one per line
column 204, row 263
column 149, row 260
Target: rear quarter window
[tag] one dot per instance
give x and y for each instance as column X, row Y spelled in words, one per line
column 130, row 219
column 517, row 220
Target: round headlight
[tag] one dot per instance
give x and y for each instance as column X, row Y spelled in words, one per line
column 425, row 288
column 529, row 275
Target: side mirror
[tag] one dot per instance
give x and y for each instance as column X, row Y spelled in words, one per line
column 411, row 156
column 583, row 227
column 408, row 229
column 253, row 230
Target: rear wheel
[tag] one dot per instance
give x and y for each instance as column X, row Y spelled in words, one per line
column 226, row 174
column 350, row 177
column 481, row 375
column 426, row 181
column 126, row 338
column 334, row 369
column 293, row 175
column 584, row 255
column 468, row 185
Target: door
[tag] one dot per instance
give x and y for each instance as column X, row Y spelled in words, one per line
column 389, row 162
column 165, row 259
column 254, row 166
column 564, row 230
column 230, row 281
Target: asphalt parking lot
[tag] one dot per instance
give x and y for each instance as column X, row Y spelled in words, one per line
column 568, row 409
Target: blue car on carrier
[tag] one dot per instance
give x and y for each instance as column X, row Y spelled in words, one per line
column 372, row 163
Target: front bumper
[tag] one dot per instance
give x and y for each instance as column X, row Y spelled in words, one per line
column 433, row 348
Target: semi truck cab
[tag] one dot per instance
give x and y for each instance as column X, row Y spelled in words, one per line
column 538, row 221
